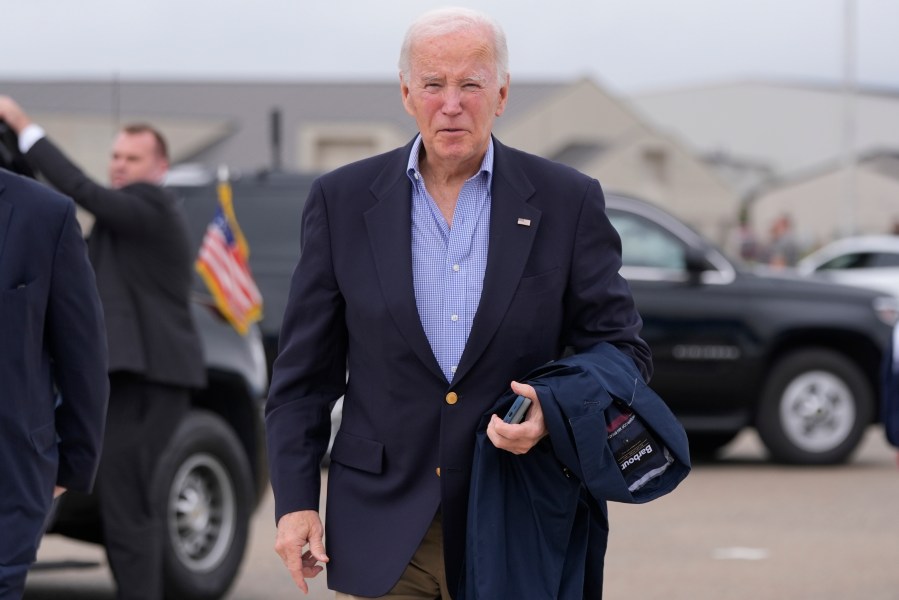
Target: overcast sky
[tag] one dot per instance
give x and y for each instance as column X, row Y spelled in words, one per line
column 627, row 45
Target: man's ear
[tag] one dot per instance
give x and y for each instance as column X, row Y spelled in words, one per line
column 162, row 167
column 404, row 92
column 503, row 97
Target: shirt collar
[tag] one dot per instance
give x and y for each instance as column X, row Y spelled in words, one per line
column 415, row 175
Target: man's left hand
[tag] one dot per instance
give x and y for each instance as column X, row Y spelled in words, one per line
column 520, row 438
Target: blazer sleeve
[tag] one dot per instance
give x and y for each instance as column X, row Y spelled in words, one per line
column 135, row 210
column 599, row 301
column 77, row 339
column 309, row 373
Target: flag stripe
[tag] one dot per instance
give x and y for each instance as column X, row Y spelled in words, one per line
column 223, row 264
column 218, row 253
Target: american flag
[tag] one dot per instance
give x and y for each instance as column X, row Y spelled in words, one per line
column 223, row 265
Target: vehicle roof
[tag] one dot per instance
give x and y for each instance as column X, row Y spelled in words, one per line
column 857, row 243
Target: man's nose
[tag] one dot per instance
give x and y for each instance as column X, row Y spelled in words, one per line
column 452, row 100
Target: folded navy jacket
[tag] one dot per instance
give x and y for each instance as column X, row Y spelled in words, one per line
column 538, row 523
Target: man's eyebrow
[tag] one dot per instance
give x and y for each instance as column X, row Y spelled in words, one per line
column 480, row 79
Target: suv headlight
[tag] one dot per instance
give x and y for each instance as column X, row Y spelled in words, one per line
column 887, row 309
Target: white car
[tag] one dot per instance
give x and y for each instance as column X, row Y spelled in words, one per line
column 870, row 261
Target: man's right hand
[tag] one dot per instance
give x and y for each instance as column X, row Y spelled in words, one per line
column 295, row 531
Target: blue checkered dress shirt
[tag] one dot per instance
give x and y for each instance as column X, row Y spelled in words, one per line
column 448, row 263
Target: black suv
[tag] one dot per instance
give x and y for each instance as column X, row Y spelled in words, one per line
column 797, row 360
column 212, row 475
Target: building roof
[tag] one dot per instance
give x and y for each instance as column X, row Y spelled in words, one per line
column 786, row 127
column 238, row 110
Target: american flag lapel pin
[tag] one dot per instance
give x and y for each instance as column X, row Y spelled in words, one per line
column 523, row 221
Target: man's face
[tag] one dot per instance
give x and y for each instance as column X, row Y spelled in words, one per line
column 135, row 158
column 454, row 96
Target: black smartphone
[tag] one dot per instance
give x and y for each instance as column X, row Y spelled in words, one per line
column 516, row 412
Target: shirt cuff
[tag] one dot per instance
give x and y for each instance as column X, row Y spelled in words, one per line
column 29, row 136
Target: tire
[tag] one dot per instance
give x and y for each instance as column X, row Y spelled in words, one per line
column 205, row 490
column 815, row 408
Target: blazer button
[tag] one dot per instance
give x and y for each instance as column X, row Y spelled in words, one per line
column 438, row 471
column 452, row 398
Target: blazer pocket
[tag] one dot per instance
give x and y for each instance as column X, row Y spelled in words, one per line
column 357, row 452
column 537, row 284
column 16, row 308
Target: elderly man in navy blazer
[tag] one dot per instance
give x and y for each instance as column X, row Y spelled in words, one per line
column 430, row 278
column 53, row 383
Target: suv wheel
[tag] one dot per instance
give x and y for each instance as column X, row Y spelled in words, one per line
column 205, row 488
column 815, row 408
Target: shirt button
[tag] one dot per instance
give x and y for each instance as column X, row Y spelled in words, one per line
column 454, row 317
column 456, row 268
column 452, row 398
column 453, row 369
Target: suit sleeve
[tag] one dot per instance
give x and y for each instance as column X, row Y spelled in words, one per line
column 77, row 339
column 600, row 304
column 126, row 210
column 310, row 371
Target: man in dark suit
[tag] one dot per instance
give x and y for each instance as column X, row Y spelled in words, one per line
column 432, row 276
column 53, row 383
column 140, row 250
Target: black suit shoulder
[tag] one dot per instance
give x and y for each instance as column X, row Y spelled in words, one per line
column 537, row 168
column 364, row 172
column 32, row 196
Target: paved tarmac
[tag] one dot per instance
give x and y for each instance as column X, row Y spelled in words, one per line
column 736, row 529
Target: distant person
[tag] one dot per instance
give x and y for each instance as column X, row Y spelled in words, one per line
column 744, row 244
column 53, row 382
column 435, row 275
column 783, row 250
column 142, row 255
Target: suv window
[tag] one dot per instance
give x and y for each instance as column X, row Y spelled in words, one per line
column 885, row 259
column 861, row 260
column 646, row 244
column 854, row 260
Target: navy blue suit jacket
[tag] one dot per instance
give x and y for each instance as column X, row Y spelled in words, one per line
column 51, row 330
column 405, row 444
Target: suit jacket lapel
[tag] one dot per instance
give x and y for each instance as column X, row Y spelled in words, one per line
column 508, row 252
column 389, row 226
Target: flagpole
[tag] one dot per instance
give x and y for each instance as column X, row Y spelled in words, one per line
column 850, row 191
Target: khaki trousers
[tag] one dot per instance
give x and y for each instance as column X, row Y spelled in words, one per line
column 424, row 577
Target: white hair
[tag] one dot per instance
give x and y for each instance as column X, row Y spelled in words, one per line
column 442, row 21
